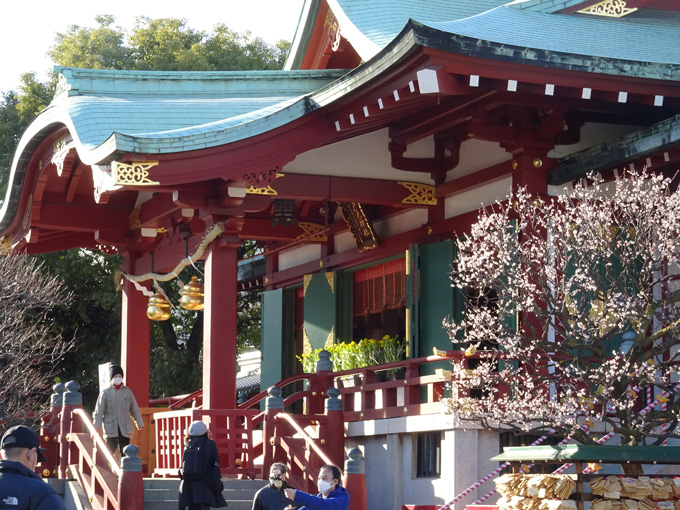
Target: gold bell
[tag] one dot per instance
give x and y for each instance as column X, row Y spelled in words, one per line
column 192, row 295
column 158, row 308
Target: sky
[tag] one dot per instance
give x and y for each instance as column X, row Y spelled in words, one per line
column 27, row 29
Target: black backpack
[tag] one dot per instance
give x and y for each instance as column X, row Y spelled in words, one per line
column 195, row 461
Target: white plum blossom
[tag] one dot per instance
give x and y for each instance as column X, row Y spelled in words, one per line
column 572, row 308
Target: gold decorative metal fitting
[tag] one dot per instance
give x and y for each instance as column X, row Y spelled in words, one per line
column 323, row 441
column 538, row 163
column 271, row 441
column 312, row 232
column 421, row 194
column 405, row 382
column 429, row 230
column 133, row 174
column 361, row 414
column 314, row 394
column 514, row 164
column 405, row 411
column 609, row 8
column 266, row 279
column 265, row 190
column 321, row 263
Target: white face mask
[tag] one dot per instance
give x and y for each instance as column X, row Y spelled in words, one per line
column 117, row 380
column 323, row 486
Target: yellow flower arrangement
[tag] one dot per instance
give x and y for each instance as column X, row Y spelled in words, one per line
column 350, row 355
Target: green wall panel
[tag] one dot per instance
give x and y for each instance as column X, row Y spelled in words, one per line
column 272, row 337
column 438, row 298
column 320, row 308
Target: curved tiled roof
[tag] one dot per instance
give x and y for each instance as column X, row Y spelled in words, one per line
column 371, row 25
column 634, row 37
column 159, row 112
column 380, row 21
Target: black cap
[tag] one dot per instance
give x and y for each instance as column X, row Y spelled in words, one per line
column 21, row 436
column 115, row 370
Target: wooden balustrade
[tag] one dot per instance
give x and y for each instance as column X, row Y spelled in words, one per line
column 91, row 463
column 231, row 429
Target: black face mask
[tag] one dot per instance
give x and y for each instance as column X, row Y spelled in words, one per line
column 276, row 482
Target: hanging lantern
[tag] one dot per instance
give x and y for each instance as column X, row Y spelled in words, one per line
column 192, row 295
column 158, row 308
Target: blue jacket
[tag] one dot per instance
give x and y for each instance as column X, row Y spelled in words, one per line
column 22, row 489
column 336, row 500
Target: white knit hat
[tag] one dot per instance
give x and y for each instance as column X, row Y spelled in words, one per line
column 197, row 428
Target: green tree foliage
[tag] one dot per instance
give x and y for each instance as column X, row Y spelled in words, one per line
column 94, row 314
column 92, row 317
column 92, row 48
column 10, row 130
column 17, row 110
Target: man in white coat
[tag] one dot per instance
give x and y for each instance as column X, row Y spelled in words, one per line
column 115, row 406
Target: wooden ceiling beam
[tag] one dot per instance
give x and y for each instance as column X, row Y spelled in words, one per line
column 81, row 218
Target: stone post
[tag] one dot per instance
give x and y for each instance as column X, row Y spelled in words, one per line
column 355, row 479
column 273, row 406
column 131, row 483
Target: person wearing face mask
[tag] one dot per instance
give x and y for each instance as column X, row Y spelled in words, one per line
column 20, row 487
column 332, row 495
column 115, row 406
column 272, row 497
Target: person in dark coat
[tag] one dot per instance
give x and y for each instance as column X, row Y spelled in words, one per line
column 271, row 496
column 332, row 495
column 207, row 492
column 20, row 487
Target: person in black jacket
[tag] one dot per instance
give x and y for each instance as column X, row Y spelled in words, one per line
column 205, row 492
column 20, row 487
column 272, row 497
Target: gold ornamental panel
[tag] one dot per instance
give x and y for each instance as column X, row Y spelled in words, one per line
column 330, row 277
column 330, row 341
column 306, row 342
column 609, row 8
column 133, row 174
column 421, row 194
column 312, row 232
column 265, row 190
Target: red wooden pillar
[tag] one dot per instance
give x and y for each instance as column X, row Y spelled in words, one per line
column 135, row 354
column 220, row 324
column 332, row 432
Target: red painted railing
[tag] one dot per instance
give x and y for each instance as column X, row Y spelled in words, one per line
column 371, row 397
column 232, row 430
column 91, row 463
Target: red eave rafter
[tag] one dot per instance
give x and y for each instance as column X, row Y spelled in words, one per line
column 241, row 160
column 526, row 74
